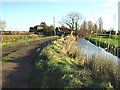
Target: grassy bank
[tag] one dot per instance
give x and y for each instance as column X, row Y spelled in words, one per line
column 61, row 65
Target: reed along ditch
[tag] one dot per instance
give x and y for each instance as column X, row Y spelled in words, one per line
column 115, row 50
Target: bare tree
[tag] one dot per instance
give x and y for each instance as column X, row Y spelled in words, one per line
column 100, row 23
column 83, row 30
column 95, row 28
column 90, row 26
column 72, row 20
column 84, row 25
column 2, row 25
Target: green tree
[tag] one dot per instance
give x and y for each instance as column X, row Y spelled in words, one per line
column 45, row 27
column 51, row 28
column 31, row 29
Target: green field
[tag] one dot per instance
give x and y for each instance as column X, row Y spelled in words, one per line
column 114, row 40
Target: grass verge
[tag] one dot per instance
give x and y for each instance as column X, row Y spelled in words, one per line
column 56, row 70
column 9, row 56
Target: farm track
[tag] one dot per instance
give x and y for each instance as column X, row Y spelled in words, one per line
column 16, row 72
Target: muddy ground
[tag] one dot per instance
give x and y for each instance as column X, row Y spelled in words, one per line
column 17, row 71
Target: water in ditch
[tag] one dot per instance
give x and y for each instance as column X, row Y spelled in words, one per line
column 89, row 50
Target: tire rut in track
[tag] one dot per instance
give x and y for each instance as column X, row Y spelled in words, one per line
column 17, row 72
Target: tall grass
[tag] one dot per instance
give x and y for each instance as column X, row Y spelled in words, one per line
column 8, row 39
column 105, row 70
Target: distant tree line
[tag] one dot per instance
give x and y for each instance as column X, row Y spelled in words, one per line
column 73, row 21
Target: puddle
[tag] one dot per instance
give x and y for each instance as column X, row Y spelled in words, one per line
column 38, row 49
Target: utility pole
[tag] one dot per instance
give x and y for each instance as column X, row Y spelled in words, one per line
column 114, row 20
column 54, row 25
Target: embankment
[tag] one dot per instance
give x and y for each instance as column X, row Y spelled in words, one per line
column 60, row 65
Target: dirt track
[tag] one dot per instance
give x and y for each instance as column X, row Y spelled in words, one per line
column 16, row 72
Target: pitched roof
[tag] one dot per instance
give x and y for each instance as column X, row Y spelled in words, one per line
column 62, row 29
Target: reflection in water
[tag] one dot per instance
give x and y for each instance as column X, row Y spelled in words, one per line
column 89, row 49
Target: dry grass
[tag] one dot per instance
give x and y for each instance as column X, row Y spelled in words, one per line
column 68, row 46
column 9, row 38
column 104, row 69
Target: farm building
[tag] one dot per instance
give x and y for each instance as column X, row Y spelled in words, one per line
column 61, row 30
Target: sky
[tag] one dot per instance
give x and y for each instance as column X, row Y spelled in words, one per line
column 20, row 14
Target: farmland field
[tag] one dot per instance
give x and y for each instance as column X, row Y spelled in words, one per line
column 114, row 40
column 9, row 40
